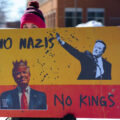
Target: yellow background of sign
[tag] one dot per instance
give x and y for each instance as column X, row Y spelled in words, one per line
column 56, row 66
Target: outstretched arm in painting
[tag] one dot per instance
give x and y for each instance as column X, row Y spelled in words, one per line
column 73, row 51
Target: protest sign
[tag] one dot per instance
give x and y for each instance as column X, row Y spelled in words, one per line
column 71, row 70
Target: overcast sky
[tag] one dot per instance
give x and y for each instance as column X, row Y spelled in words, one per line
column 16, row 9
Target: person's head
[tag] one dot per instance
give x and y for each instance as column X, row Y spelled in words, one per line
column 33, row 17
column 69, row 116
column 21, row 73
column 99, row 48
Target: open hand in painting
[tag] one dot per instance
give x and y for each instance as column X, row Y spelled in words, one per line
column 59, row 39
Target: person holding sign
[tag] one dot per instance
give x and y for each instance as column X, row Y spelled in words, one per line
column 33, row 17
column 23, row 97
column 93, row 66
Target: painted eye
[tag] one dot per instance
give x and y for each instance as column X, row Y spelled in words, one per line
column 17, row 73
column 24, row 72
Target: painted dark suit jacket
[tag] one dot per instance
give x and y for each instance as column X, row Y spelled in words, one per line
column 88, row 65
column 10, row 100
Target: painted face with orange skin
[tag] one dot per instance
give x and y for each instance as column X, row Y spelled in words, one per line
column 22, row 76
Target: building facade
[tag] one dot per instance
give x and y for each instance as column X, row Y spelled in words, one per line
column 69, row 13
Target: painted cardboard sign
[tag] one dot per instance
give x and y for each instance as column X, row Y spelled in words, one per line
column 52, row 72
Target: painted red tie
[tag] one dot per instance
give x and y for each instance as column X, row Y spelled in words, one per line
column 24, row 104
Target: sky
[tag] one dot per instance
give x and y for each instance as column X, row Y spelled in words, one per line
column 15, row 9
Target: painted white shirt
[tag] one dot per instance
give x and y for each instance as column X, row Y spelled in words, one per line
column 99, row 69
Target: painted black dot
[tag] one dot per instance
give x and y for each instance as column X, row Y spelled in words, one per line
column 46, row 51
column 68, row 66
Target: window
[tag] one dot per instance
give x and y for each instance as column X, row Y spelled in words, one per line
column 73, row 16
column 95, row 14
column 50, row 19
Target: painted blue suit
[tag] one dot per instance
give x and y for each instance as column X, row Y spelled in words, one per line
column 10, row 100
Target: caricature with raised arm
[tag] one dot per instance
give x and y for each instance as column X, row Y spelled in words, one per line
column 93, row 65
column 23, row 96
